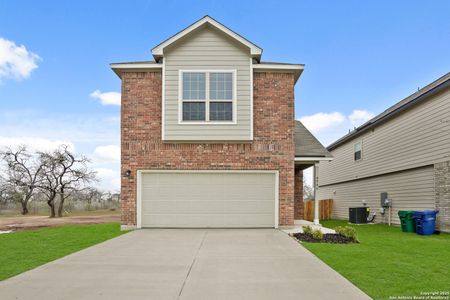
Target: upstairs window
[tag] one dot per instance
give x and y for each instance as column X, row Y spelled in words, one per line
column 207, row 96
column 357, row 151
column 194, row 96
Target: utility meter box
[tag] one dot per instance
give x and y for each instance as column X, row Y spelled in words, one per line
column 384, row 200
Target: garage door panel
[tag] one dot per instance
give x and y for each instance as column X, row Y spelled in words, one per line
column 205, row 220
column 213, row 192
column 197, row 199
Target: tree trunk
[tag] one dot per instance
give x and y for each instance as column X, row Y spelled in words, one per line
column 61, row 204
column 24, row 207
column 25, row 201
column 51, row 203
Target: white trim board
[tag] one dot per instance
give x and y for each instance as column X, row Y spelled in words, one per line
column 313, row 158
column 119, row 68
column 139, row 189
column 158, row 51
column 163, row 100
column 280, row 68
column 251, row 99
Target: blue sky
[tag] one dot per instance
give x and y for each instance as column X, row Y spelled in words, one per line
column 361, row 56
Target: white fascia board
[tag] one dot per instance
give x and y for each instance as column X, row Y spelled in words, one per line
column 118, row 68
column 254, row 50
column 135, row 66
column 296, row 69
column 313, row 159
column 281, row 67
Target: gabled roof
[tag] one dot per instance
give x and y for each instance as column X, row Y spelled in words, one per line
column 306, row 144
column 414, row 99
column 255, row 51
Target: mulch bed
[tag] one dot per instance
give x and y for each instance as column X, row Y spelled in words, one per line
column 331, row 238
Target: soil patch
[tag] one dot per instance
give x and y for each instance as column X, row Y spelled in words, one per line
column 33, row 222
column 332, row 238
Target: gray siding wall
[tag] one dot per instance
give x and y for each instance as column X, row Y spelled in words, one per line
column 207, row 49
column 417, row 137
column 409, row 190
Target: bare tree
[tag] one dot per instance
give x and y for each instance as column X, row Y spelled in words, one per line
column 65, row 174
column 49, row 185
column 74, row 174
column 91, row 194
column 308, row 191
column 23, row 172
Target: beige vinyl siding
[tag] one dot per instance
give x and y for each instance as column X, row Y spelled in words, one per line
column 207, row 49
column 208, row 199
column 417, row 137
column 409, row 190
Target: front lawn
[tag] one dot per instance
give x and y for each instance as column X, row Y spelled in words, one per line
column 388, row 262
column 25, row 250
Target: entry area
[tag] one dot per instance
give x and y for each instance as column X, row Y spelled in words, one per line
column 207, row 199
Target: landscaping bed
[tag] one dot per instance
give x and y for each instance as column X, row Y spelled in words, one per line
column 343, row 235
column 332, row 238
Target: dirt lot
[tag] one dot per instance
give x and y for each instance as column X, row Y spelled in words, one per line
column 32, row 222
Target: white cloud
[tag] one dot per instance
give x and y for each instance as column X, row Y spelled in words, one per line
column 321, row 121
column 16, row 61
column 107, row 153
column 359, row 117
column 110, row 178
column 107, row 98
column 34, row 143
column 328, row 127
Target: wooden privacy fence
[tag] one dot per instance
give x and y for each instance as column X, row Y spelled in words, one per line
column 325, row 209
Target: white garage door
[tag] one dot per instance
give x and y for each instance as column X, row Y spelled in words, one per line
column 207, row 199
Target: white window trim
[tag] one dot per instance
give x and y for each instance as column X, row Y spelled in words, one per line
column 354, row 145
column 207, row 100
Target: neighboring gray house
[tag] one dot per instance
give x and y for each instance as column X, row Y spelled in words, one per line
column 404, row 151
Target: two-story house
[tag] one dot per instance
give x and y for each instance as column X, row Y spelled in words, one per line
column 404, row 152
column 207, row 134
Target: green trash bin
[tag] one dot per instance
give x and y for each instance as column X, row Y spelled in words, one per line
column 407, row 221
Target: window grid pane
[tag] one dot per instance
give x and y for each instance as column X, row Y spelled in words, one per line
column 221, row 111
column 357, row 151
column 221, row 86
column 194, row 86
column 193, row 111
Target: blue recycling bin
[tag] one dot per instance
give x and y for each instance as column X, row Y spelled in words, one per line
column 425, row 221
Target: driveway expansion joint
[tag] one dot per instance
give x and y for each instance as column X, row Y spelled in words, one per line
column 192, row 263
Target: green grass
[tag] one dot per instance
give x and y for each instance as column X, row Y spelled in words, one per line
column 388, row 262
column 25, row 250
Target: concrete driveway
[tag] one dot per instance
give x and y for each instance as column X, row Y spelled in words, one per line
column 186, row 264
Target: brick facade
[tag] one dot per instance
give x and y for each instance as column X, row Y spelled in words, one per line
column 442, row 191
column 298, row 194
column 271, row 149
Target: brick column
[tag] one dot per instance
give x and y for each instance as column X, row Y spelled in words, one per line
column 298, row 194
column 442, row 193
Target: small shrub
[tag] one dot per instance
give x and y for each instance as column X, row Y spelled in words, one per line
column 348, row 232
column 307, row 230
column 317, row 234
